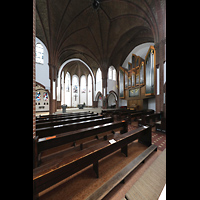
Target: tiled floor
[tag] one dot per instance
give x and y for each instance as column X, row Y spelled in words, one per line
column 159, row 139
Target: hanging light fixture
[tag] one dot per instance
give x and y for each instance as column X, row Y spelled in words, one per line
column 96, row 4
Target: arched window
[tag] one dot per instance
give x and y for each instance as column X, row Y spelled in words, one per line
column 98, row 75
column 39, row 53
column 75, row 91
column 83, row 89
column 99, row 81
column 89, row 90
column 112, row 73
column 68, row 89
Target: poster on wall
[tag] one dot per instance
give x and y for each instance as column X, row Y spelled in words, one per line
column 121, row 82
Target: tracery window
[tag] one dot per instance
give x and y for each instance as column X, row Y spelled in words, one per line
column 112, row 73
column 98, row 75
column 39, row 53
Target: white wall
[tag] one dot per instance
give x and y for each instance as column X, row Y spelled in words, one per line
column 42, row 70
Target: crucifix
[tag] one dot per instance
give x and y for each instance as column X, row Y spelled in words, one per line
column 75, row 96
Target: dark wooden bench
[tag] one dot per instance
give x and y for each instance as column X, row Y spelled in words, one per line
column 150, row 119
column 67, row 121
column 71, row 116
column 109, row 112
column 121, row 175
column 126, row 114
column 75, row 137
column 54, row 130
column 59, row 115
column 61, row 168
column 161, row 125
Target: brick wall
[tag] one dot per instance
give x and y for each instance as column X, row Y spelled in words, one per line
column 34, row 35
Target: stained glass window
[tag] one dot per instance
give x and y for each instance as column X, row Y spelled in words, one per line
column 38, row 96
column 45, row 96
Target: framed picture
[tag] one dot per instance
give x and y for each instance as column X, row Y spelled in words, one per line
column 121, row 83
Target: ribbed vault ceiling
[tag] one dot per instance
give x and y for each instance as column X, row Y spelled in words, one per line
column 103, row 37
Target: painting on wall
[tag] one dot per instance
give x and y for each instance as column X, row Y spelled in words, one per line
column 121, row 82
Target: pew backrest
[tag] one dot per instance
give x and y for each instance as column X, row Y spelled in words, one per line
column 53, row 130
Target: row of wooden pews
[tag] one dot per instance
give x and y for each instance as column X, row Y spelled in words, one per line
column 64, row 145
column 123, row 113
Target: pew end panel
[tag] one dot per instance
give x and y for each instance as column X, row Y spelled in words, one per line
column 125, row 129
column 145, row 137
column 35, row 152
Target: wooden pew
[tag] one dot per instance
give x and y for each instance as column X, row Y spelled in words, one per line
column 54, row 130
column 161, row 125
column 140, row 113
column 75, row 137
column 61, row 168
column 109, row 112
column 119, row 177
column 146, row 119
column 67, row 121
column 64, row 117
column 123, row 114
column 59, row 115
